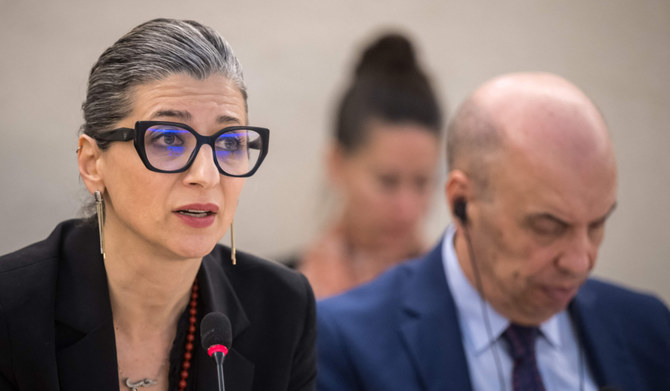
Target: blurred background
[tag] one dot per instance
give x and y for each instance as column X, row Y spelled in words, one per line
column 297, row 56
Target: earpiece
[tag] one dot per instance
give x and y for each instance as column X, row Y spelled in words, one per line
column 462, row 215
column 459, row 210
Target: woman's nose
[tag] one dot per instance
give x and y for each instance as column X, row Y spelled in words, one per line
column 409, row 204
column 203, row 172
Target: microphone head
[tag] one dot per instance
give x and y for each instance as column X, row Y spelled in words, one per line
column 215, row 330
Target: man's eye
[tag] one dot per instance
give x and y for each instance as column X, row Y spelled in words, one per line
column 548, row 227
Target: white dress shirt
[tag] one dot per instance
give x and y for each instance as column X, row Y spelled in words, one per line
column 561, row 362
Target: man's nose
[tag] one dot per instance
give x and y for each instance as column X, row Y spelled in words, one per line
column 579, row 255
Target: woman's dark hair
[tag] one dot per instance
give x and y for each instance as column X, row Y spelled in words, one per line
column 388, row 85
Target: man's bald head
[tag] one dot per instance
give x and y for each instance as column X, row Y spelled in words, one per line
column 533, row 166
column 535, row 113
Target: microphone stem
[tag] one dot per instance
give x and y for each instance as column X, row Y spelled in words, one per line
column 218, row 357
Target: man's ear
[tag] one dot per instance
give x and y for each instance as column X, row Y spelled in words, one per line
column 458, row 189
column 88, row 157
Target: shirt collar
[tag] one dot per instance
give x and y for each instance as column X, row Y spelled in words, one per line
column 469, row 306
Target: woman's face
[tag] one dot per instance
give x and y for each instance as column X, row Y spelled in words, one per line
column 175, row 215
column 387, row 183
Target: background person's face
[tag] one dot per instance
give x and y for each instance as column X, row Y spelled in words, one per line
column 387, row 183
column 537, row 238
column 178, row 215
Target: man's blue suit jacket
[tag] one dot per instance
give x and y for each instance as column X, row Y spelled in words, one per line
column 401, row 332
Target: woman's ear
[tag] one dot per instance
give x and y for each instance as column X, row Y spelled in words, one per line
column 88, row 157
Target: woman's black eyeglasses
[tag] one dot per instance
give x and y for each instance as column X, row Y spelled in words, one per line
column 171, row 147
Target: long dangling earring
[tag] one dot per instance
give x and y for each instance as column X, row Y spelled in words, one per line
column 232, row 243
column 100, row 209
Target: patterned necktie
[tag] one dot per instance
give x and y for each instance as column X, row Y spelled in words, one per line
column 521, row 341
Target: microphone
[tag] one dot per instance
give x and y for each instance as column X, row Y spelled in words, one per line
column 216, row 337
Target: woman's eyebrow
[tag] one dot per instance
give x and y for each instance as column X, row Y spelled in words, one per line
column 226, row 119
column 185, row 116
column 177, row 114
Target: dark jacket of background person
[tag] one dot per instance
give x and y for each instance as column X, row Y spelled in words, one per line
column 401, row 332
column 532, row 182
column 56, row 329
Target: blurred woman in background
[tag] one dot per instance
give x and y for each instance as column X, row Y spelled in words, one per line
column 382, row 165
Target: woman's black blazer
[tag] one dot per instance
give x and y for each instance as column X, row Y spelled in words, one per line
column 56, row 330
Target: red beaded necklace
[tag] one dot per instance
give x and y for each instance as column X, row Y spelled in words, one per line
column 193, row 311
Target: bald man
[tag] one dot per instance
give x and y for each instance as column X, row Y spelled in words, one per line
column 504, row 301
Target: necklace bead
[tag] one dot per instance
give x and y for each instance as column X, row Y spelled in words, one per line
column 186, row 363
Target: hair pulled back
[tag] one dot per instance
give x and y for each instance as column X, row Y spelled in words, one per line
column 153, row 51
column 388, row 85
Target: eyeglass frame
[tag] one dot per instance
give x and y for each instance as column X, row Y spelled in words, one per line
column 137, row 135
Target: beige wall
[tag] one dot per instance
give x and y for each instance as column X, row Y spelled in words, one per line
column 297, row 54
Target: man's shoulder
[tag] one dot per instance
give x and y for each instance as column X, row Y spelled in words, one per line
column 625, row 329
column 612, row 294
column 361, row 331
column 625, row 304
column 374, row 302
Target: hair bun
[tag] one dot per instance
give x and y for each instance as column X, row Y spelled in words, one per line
column 391, row 53
column 388, row 84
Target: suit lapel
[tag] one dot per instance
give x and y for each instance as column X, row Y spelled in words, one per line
column 218, row 295
column 85, row 342
column 430, row 330
column 603, row 342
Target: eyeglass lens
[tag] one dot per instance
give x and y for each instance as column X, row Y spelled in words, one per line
column 169, row 148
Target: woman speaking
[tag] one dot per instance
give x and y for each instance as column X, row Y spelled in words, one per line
column 114, row 301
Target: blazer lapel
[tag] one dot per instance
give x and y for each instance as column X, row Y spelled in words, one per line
column 90, row 364
column 85, row 342
column 430, row 327
column 217, row 295
column 603, row 343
